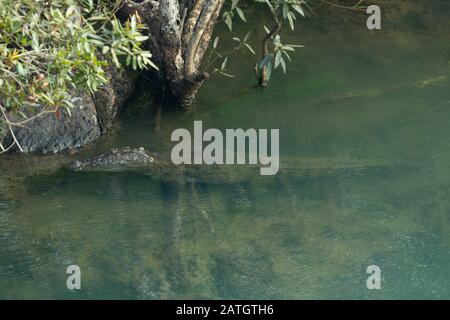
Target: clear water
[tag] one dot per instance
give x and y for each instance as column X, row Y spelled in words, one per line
column 349, row 94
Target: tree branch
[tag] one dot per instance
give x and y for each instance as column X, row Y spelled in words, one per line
column 169, row 11
column 205, row 41
column 8, row 123
column 354, row 8
column 191, row 22
column 209, row 10
column 275, row 30
column 189, row 86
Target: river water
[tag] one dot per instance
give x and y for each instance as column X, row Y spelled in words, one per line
column 349, row 94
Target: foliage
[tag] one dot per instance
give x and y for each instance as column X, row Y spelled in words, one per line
column 215, row 55
column 277, row 52
column 48, row 48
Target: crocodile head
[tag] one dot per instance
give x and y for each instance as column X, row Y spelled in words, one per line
column 116, row 160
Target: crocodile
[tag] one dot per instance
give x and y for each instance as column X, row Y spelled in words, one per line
column 177, row 177
column 160, row 167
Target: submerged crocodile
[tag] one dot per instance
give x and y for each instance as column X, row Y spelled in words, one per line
column 141, row 160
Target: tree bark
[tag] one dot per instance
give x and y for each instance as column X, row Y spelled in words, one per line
column 180, row 31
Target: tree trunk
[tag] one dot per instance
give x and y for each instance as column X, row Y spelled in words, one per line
column 180, row 32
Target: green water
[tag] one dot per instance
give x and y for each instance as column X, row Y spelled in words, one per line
column 350, row 94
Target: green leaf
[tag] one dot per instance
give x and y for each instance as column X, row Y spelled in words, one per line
column 216, row 42
column 224, row 64
column 35, row 40
column 285, row 10
column 277, row 59
column 141, row 38
column 287, row 48
column 69, row 104
column 115, row 60
column 154, row 66
column 299, row 9
column 291, row 21
column 250, row 48
column 247, row 36
column 226, row 74
column 20, row 69
column 133, row 23
column 70, row 10
column 277, row 40
column 283, row 65
column 49, row 100
column 68, row 111
column 241, row 14
column 22, row 114
column 228, row 20
column 287, row 55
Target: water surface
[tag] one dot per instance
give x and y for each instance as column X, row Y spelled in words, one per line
column 349, row 94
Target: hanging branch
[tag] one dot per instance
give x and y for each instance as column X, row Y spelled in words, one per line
column 261, row 73
column 356, row 7
column 8, row 123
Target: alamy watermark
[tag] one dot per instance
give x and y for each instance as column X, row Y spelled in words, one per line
column 74, row 280
column 374, row 280
column 374, row 20
column 236, row 147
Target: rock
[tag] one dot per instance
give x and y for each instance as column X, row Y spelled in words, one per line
column 92, row 116
column 109, row 99
column 52, row 134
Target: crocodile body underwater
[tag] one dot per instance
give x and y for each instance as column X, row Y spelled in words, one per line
column 155, row 165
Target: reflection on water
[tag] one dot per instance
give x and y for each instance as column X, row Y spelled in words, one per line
column 368, row 96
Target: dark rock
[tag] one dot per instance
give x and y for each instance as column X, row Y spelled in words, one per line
column 50, row 133
column 109, row 99
column 92, row 116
